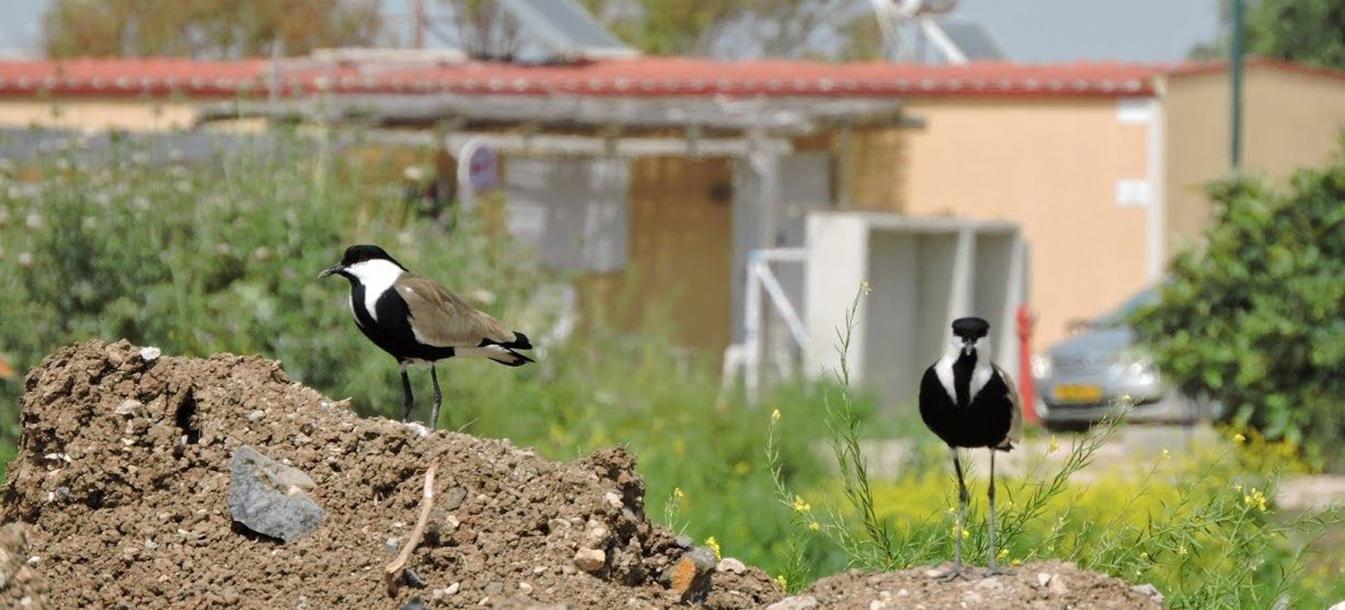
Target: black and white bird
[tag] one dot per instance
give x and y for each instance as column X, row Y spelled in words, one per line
column 969, row 402
column 418, row 321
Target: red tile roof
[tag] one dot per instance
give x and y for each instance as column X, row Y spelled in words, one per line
column 647, row 76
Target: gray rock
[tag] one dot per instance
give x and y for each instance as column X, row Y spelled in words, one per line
column 415, row 604
column 1152, row 591
column 454, row 498
column 798, row 602
column 684, row 541
column 729, row 564
column 270, row 498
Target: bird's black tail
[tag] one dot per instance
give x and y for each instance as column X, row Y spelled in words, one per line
column 508, row 356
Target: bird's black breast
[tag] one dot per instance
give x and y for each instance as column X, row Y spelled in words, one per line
column 980, row 421
column 391, row 330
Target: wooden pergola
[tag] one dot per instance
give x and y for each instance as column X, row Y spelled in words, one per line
column 756, row 129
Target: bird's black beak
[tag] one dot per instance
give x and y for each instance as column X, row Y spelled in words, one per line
column 337, row 268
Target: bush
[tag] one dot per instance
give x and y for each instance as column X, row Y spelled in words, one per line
column 1256, row 317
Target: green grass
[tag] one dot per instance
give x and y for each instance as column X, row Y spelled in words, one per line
column 203, row 259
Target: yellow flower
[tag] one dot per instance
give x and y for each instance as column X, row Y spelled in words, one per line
column 677, row 493
column 865, row 287
column 784, row 582
column 1054, row 446
column 814, row 526
column 1003, row 554
column 1181, row 550
column 1144, row 555
column 775, row 416
column 801, row 505
column 742, row 468
column 1166, row 454
column 965, row 533
column 714, row 546
column 1256, row 499
column 1239, row 438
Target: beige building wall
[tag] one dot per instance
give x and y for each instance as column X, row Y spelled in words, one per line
column 87, row 114
column 1052, row 166
column 1291, row 120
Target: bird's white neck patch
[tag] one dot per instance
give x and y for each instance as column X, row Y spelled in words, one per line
column 377, row 276
column 980, row 373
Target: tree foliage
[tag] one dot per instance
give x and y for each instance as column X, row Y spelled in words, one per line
column 1256, row 317
column 205, row 28
column 1307, row 31
column 742, row 28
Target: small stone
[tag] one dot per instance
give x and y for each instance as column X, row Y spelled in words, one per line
column 392, row 545
column 798, row 602
column 524, row 588
column 689, row 576
column 256, row 414
column 539, row 570
column 613, row 498
column 150, row 354
column 269, row 498
column 452, row 522
column 411, row 579
column 933, row 573
column 415, row 604
column 453, row 498
column 596, row 536
column 1043, row 579
column 684, row 541
column 903, row 593
column 989, row 584
column 453, row 589
column 495, row 588
column 557, row 525
column 590, row 560
column 1152, row 591
column 129, row 407
column 1057, row 586
column 729, row 564
column 972, row 598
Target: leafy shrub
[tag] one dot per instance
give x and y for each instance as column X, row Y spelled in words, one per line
column 1256, row 316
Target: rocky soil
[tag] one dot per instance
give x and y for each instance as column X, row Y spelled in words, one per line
column 145, row 481
column 1034, row 586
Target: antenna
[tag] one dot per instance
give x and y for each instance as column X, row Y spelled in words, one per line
column 893, row 14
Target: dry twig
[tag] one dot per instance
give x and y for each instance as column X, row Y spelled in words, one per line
column 392, row 575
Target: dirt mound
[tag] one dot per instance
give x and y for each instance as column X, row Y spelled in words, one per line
column 1034, row 586
column 136, row 474
column 123, row 480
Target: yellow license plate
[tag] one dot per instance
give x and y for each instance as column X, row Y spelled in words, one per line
column 1068, row 393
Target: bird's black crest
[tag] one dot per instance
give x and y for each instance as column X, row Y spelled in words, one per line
column 971, row 328
column 367, row 252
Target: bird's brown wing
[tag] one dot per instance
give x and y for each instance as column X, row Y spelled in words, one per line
column 1016, row 424
column 442, row 319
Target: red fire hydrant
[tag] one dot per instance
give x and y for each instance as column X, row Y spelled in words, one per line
column 1027, row 384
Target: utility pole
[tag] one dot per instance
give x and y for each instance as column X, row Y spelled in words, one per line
column 1235, row 68
column 418, row 18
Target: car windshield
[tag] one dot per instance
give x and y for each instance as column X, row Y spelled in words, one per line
column 1121, row 315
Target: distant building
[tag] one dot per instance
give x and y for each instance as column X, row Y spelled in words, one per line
column 1101, row 165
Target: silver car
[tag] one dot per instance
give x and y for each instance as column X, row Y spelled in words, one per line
column 1083, row 378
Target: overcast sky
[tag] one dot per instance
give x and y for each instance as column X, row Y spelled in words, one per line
column 1029, row 30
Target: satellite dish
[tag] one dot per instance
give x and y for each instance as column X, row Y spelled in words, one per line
column 917, row 8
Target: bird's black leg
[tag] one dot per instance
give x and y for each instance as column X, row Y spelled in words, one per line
column 438, row 398
column 993, row 569
column 962, row 499
column 407, row 401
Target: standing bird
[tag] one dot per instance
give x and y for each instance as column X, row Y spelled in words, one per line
column 418, row 321
column 968, row 401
